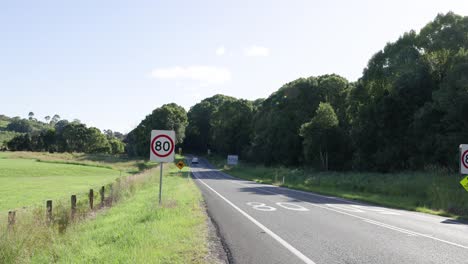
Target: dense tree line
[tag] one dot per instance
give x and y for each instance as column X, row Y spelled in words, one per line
column 167, row 117
column 409, row 110
column 57, row 135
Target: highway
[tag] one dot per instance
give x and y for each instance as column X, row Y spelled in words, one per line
column 261, row 223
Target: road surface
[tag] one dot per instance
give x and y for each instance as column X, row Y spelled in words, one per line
column 261, row 223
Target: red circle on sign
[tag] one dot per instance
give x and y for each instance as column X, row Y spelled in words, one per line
column 462, row 160
column 169, row 152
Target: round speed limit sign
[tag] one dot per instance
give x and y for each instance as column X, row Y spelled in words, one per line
column 162, row 146
column 464, row 159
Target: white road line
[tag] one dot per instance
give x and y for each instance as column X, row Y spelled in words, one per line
column 264, row 228
column 392, row 227
column 370, row 221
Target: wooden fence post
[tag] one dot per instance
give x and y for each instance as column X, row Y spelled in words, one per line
column 111, row 197
column 91, row 198
column 102, row 196
column 49, row 210
column 11, row 219
column 73, row 206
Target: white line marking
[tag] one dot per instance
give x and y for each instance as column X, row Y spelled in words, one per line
column 391, row 227
column 366, row 219
column 264, row 228
column 261, row 206
column 375, row 209
column 343, row 207
column 294, row 207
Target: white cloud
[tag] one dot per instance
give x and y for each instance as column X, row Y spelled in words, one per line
column 257, row 51
column 220, row 51
column 204, row 74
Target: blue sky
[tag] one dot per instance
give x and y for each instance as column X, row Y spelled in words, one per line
column 110, row 63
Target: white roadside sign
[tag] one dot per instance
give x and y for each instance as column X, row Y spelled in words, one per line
column 464, row 159
column 232, row 159
column 162, row 146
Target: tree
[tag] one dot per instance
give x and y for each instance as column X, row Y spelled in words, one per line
column 47, row 118
column 277, row 121
column 20, row 125
column 319, row 133
column 73, row 138
column 20, row 142
column 231, row 127
column 96, row 142
column 199, row 129
column 167, row 117
column 55, row 118
column 60, row 125
column 31, row 115
column 109, row 133
column 117, row 146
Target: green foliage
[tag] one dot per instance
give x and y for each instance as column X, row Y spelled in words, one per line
column 117, row 146
column 6, row 136
column 61, row 136
column 278, row 120
column 319, row 134
column 200, row 126
column 411, row 105
column 20, row 125
column 167, row 117
column 231, row 127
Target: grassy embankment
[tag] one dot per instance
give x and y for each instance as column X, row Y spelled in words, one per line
column 135, row 230
column 437, row 192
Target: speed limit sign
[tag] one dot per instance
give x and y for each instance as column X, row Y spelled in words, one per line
column 162, row 145
column 464, row 158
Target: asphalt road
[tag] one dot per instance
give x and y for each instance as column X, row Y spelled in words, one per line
column 262, row 223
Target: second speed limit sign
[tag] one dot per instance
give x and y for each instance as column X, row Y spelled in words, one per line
column 464, row 158
column 162, row 145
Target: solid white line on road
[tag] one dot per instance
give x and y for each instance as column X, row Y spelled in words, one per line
column 370, row 221
column 264, row 228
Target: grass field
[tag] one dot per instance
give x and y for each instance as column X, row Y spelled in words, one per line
column 28, row 179
column 136, row 230
column 116, row 162
column 25, row 182
column 436, row 192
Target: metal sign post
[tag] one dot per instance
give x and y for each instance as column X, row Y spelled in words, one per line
column 160, row 181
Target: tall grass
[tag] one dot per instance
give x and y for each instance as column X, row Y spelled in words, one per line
column 437, row 191
column 33, row 232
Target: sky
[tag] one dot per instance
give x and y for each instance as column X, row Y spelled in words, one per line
column 110, row 63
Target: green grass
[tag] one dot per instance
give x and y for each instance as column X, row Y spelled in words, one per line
column 435, row 192
column 27, row 179
column 136, row 230
column 117, row 162
column 25, row 182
